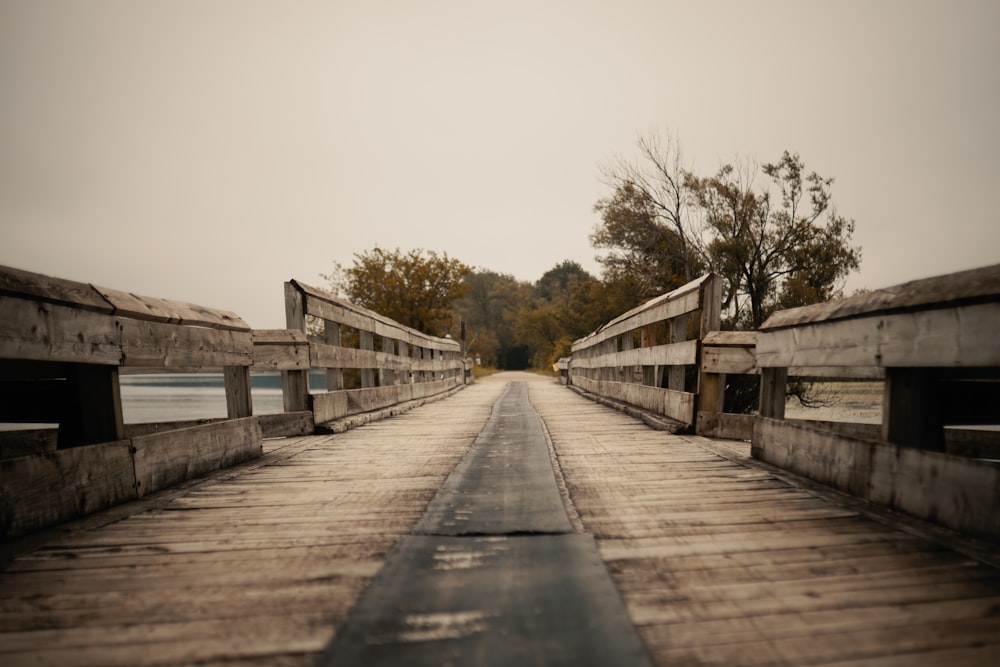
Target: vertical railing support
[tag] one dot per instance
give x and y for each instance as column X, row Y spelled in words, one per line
column 295, row 384
column 711, row 392
column 239, row 402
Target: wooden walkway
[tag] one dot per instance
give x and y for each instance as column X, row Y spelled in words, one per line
column 718, row 560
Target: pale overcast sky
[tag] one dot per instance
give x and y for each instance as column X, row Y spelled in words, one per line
column 210, row 150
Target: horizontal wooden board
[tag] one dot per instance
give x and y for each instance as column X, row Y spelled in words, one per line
column 661, row 311
column 324, row 305
column 280, row 349
column 972, row 286
column 963, row 336
column 163, row 345
column 738, row 360
column 672, row 354
column 156, row 309
column 957, row 492
column 166, row 459
column 40, row 490
column 725, row 425
column 678, row 405
column 34, row 330
column 678, row 302
column 287, row 424
column 39, row 287
column 730, row 338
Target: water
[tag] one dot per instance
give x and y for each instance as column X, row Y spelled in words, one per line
column 174, row 396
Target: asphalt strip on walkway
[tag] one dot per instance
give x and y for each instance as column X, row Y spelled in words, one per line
column 494, row 573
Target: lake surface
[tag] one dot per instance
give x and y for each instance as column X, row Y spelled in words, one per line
column 170, row 397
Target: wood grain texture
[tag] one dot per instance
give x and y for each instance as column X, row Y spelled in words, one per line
column 959, row 336
column 39, row 287
column 255, row 565
column 35, row 330
column 156, row 309
column 722, row 563
column 972, row 286
column 166, row 459
column 41, row 490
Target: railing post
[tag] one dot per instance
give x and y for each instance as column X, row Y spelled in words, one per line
column 628, row 343
column 772, row 392
column 711, row 391
column 239, row 402
column 386, row 375
column 678, row 334
column 295, row 384
column 651, row 375
column 911, row 409
column 331, row 336
column 366, row 341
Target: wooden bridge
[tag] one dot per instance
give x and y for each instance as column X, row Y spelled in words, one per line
column 623, row 519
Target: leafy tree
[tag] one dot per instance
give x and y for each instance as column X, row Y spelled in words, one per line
column 557, row 280
column 567, row 303
column 646, row 224
column 488, row 309
column 774, row 251
column 642, row 249
column 416, row 288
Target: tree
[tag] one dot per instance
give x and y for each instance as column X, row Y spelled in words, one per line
column 641, row 248
column 416, row 288
column 566, row 303
column 488, row 309
column 774, row 251
column 646, row 223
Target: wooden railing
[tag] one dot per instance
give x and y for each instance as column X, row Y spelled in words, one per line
column 62, row 347
column 935, row 342
column 641, row 357
column 388, row 363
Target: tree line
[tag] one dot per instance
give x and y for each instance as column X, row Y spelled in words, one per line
column 770, row 231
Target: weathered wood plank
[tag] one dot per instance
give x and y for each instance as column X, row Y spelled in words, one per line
column 165, row 459
column 736, row 360
column 772, row 392
column 49, row 332
column 160, row 345
column 717, row 566
column 324, row 305
column 957, row 492
column 39, row 287
column 330, row 356
column 169, row 311
column 280, row 349
column 962, row 336
column 678, row 405
column 200, row 574
column 38, row 491
column 725, row 425
column 972, row 286
column 286, row 424
column 730, row 338
column 657, row 310
column 670, row 354
column 239, row 402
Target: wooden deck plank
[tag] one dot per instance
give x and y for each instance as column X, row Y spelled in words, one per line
column 717, row 561
column 721, row 562
column 255, row 565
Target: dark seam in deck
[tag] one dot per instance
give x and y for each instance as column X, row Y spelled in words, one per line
column 494, row 573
